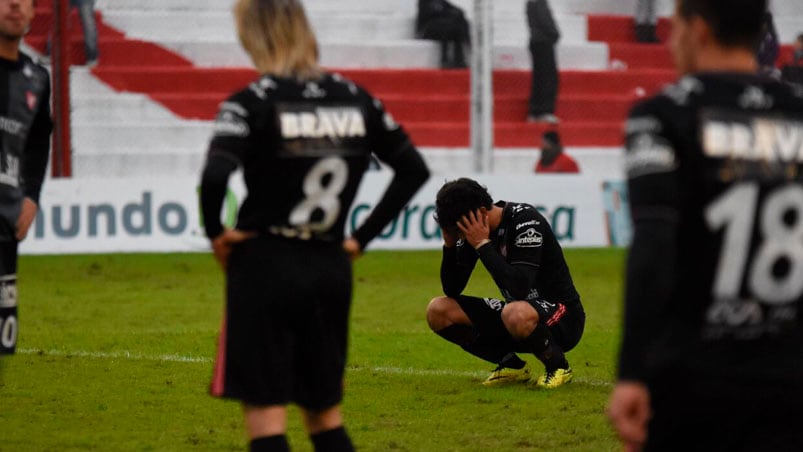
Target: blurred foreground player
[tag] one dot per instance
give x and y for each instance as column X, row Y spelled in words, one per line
column 304, row 139
column 712, row 350
column 25, row 127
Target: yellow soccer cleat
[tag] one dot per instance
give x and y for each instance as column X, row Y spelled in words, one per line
column 507, row 375
column 552, row 380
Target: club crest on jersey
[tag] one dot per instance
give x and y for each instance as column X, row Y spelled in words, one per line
column 313, row 91
column 30, row 98
column 342, row 122
column 529, row 239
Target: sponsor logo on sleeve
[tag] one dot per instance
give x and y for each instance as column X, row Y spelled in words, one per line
column 529, row 239
column 649, row 154
column 230, row 123
column 527, row 223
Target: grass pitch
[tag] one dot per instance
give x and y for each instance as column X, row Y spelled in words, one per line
column 116, row 355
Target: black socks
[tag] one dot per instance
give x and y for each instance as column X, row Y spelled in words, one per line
column 274, row 443
column 335, row 440
column 466, row 337
column 545, row 349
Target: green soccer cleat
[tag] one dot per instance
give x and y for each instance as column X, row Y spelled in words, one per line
column 552, row 380
column 507, row 375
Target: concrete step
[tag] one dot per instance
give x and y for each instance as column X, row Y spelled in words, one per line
column 147, row 138
column 407, row 53
column 123, row 108
column 137, row 163
column 664, row 7
column 340, row 26
column 592, row 160
column 219, row 25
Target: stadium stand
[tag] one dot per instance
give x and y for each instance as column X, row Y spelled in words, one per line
column 166, row 65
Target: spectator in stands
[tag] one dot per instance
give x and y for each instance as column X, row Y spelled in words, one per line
column 86, row 13
column 793, row 72
column 646, row 20
column 442, row 21
column 768, row 48
column 544, row 35
column 553, row 159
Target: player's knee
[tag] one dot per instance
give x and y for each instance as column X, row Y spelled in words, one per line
column 317, row 421
column 438, row 312
column 520, row 319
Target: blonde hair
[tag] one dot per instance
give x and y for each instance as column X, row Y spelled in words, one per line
column 278, row 37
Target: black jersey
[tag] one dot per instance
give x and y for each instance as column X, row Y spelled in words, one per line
column 25, row 127
column 715, row 272
column 303, row 147
column 524, row 258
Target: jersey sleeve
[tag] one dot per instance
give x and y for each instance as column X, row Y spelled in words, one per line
column 37, row 148
column 651, row 167
column 457, row 264
column 228, row 148
column 233, row 129
column 388, row 139
column 390, row 143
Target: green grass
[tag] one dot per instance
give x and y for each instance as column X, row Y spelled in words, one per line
column 116, row 350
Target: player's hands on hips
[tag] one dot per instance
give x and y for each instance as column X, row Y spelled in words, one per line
column 221, row 245
column 474, row 227
column 27, row 214
column 629, row 412
column 352, row 247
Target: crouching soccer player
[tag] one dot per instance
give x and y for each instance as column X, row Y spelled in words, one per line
column 541, row 311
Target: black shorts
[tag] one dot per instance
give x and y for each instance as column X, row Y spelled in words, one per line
column 566, row 321
column 8, row 297
column 693, row 413
column 284, row 337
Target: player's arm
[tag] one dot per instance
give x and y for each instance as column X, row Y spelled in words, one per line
column 456, row 268
column 651, row 166
column 214, row 184
column 514, row 279
column 393, row 147
column 515, row 275
column 229, row 145
column 34, row 163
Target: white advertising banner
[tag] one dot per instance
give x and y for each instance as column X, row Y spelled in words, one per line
column 162, row 215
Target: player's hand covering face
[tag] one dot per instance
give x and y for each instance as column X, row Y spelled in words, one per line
column 474, row 227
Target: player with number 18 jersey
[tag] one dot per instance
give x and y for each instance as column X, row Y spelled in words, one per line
column 716, row 189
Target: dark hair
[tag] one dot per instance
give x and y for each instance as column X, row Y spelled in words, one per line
column 457, row 198
column 735, row 23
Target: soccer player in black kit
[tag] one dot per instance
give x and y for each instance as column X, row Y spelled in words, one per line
column 541, row 312
column 712, row 350
column 304, row 138
column 25, row 127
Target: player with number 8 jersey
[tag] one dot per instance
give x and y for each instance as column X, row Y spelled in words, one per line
column 712, row 343
column 304, row 139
